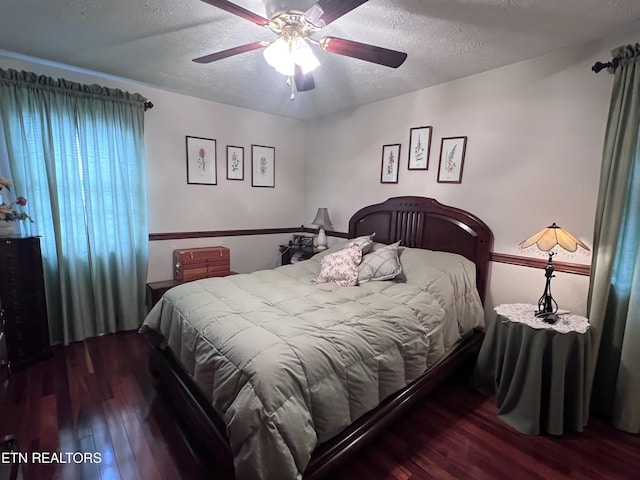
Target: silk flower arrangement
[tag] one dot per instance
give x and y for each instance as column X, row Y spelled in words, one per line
column 7, row 212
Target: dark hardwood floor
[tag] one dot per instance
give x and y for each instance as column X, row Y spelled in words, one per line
column 98, row 397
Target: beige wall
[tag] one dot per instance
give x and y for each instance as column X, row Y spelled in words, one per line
column 535, row 131
column 175, row 206
column 535, row 134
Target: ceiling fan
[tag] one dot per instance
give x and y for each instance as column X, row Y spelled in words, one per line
column 290, row 54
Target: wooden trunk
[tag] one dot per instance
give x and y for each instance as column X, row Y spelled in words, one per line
column 196, row 263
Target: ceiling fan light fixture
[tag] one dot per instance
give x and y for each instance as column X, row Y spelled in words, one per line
column 283, row 55
column 303, row 55
column 278, row 55
column 290, row 54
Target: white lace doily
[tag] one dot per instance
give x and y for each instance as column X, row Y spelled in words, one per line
column 525, row 313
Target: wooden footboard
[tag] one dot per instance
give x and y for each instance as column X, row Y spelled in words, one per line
column 334, row 452
column 206, row 431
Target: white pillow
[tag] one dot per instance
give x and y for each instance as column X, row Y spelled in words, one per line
column 341, row 267
column 380, row 264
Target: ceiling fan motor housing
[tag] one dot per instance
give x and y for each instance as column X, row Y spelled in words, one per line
column 276, row 7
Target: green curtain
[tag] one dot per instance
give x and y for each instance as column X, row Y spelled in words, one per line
column 77, row 153
column 614, row 292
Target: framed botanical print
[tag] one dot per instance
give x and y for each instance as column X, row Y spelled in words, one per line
column 235, row 163
column 452, row 152
column 390, row 159
column 201, row 161
column 419, row 147
column 263, row 166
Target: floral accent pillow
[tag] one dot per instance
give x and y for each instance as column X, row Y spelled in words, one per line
column 341, row 267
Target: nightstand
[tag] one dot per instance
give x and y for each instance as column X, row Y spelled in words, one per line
column 155, row 290
column 295, row 253
column 537, row 370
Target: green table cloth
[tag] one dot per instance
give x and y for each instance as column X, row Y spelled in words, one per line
column 538, row 371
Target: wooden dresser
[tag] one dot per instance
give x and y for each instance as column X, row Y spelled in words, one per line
column 22, row 296
column 4, row 357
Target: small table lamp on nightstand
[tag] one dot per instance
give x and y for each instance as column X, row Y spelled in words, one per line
column 546, row 240
column 322, row 221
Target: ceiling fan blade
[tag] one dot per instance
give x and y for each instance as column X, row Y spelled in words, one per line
column 239, row 11
column 363, row 51
column 324, row 12
column 230, row 52
column 304, row 82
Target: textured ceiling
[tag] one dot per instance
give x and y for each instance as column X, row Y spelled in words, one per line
column 154, row 41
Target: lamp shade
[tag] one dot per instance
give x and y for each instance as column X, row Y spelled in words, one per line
column 547, row 238
column 303, row 55
column 278, row 55
column 283, row 55
column 322, row 218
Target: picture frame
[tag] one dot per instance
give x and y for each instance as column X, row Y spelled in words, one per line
column 452, row 153
column 389, row 167
column 235, row 162
column 419, row 147
column 202, row 166
column 263, row 166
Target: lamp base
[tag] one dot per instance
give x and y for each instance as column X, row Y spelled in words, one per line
column 548, row 317
column 322, row 239
column 547, row 306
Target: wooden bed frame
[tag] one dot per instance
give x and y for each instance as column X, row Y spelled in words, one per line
column 418, row 222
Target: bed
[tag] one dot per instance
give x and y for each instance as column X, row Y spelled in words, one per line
column 280, row 376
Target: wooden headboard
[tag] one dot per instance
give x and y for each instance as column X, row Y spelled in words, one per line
column 421, row 222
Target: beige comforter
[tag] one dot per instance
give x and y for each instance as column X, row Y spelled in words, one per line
column 288, row 363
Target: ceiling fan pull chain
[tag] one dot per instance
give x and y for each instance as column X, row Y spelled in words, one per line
column 290, row 84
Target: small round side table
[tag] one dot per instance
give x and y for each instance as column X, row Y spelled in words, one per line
column 537, row 370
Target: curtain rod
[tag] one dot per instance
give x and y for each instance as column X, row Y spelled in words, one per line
column 148, row 106
column 598, row 66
